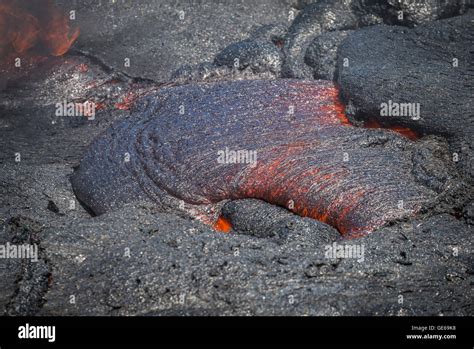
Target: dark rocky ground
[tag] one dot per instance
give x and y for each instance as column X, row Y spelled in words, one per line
column 139, row 261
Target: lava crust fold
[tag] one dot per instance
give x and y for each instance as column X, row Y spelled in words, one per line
column 309, row 159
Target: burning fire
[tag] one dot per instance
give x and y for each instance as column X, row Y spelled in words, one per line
column 34, row 24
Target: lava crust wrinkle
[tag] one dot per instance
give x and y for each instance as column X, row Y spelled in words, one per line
column 308, row 158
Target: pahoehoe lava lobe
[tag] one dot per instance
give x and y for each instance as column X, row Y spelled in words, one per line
column 309, row 159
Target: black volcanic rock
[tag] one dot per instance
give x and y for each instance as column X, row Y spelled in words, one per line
column 391, row 63
column 258, row 218
column 321, row 54
column 137, row 261
column 259, row 55
column 323, row 16
column 260, row 52
column 315, row 19
column 160, row 36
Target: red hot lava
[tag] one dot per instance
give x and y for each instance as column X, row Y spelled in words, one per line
column 223, row 225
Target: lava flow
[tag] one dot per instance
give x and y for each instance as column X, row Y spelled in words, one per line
column 307, row 156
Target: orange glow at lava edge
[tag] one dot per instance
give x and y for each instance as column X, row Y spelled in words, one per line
column 339, row 109
column 223, row 225
column 24, row 26
column 405, row 131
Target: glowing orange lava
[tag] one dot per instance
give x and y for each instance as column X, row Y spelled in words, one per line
column 405, row 131
column 223, row 225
